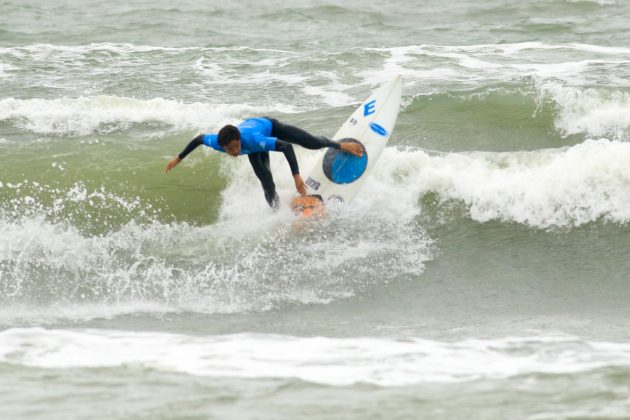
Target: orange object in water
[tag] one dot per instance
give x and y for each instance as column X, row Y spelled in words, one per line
column 308, row 206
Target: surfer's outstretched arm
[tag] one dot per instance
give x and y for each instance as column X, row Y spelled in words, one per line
column 289, row 153
column 194, row 143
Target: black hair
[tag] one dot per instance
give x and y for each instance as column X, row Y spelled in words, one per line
column 227, row 134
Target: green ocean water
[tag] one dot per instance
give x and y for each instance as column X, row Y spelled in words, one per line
column 481, row 271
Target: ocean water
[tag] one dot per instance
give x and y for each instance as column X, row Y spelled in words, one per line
column 481, row 272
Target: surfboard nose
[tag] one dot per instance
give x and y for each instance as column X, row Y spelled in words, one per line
column 397, row 79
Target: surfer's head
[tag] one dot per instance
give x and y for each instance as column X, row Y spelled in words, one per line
column 230, row 140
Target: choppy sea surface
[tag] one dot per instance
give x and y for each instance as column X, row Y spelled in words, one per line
column 481, row 272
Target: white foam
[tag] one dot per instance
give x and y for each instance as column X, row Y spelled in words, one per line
column 103, row 114
column 249, row 261
column 215, row 74
column 472, row 65
column 599, row 2
column 4, row 68
column 102, row 276
column 122, row 48
column 330, row 361
column 502, row 49
column 333, row 92
column 595, row 112
column 546, row 188
column 401, row 51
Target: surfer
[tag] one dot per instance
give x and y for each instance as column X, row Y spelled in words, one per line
column 256, row 137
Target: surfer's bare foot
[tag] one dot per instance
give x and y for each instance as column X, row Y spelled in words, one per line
column 352, row 148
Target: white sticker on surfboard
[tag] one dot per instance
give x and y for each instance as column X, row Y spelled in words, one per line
column 338, row 176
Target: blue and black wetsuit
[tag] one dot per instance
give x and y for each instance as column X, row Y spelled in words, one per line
column 259, row 136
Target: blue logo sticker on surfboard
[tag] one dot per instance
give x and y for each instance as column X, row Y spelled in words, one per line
column 378, row 129
column 344, row 168
column 369, row 108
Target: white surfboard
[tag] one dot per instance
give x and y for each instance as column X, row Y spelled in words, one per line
column 338, row 176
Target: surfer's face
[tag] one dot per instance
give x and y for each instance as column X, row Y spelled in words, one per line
column 233, row 148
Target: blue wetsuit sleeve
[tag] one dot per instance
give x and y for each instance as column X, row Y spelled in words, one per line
column 194, row 143
column 289, row 153
column 268, row 144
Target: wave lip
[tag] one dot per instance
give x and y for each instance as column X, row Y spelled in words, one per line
column 590, row 111
column 543, row 189
column 383, row 362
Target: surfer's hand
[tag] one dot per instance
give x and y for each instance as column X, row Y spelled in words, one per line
column 352, row 148
column 300, row 186
column 173, row 163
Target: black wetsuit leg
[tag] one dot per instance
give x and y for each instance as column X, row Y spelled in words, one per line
column 296, row 135
column 260, row 164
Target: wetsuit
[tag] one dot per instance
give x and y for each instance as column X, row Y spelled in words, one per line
column 259, row 136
